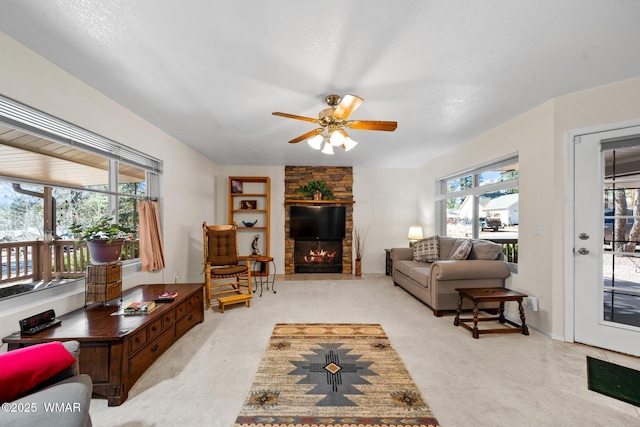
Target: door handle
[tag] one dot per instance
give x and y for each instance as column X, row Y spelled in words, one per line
column 583, row 236
column 583, row 251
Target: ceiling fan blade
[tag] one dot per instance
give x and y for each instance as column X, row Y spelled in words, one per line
column 305, row 136
column 347, row 106
column 293, row 116
column 372, row 125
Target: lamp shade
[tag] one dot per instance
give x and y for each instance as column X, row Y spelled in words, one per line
column 315, row 142
column 348, row 144
column 327, row 149
column 337, row 139
column 415, row 233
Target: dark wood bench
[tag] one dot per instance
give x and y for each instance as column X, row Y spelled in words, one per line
column 500, row 295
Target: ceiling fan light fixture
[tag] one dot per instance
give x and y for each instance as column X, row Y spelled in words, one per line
column 337, row 138
column 332, row 123
column 348, row 144
column 315, row 142
column 327, row 149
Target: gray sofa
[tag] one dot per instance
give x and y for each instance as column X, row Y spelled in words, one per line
column 434, row 280
column 62, row 400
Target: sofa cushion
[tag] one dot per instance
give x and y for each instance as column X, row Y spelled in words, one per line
column 25, row 368
column 416, row 271
column 463, row 250
column 446, row 245
column 426, row 250
column 453, row 244
column 483, row 249
column 73, row 395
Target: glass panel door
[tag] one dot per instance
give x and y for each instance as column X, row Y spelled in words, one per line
column 606, row 240
column 621, row 257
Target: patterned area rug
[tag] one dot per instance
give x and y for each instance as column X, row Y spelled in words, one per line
column 328, row 374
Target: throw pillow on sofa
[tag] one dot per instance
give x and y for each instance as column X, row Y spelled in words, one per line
column 462, row 251
column 483, row 249
column 426, row 250
column 25, row 368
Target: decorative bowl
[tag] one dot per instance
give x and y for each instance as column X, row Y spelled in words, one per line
column 250, row 224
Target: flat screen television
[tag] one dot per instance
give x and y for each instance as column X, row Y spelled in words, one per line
column 322, row 222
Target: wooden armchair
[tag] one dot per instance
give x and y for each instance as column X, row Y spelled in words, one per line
column 221, row 264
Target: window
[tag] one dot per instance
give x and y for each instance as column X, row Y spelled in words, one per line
column 482, row 204
column 54, row 174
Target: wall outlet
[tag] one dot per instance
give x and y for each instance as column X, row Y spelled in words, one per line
column 176, row 277
column 532, row 303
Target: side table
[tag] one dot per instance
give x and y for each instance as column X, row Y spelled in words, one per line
column 263, row 260
column 501, row 295
column 389, row 263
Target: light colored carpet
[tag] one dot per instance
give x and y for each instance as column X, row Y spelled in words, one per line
column 497, row 380
column 333, row 374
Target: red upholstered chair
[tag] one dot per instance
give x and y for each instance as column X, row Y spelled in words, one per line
column 223, row 275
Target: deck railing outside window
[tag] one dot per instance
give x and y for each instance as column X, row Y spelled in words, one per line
column 25, row 261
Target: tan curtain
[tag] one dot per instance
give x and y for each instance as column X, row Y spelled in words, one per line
column 151, row 248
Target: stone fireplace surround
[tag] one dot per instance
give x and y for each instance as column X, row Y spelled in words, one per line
column 340, row 180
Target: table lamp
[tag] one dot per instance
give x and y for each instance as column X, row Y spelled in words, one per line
column 415, row 234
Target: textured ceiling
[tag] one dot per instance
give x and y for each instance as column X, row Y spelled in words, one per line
column 211, row 72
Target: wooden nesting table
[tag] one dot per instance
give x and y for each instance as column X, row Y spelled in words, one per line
column 501, row 295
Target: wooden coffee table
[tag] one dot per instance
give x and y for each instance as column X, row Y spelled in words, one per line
column 501, row 295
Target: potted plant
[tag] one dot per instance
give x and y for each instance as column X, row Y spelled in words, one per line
column 360, row 243
column 316, row 190
column 104, row 238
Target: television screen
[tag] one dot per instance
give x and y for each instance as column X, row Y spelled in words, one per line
column 324, row 222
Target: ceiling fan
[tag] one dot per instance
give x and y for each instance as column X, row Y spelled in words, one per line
column 333, row 122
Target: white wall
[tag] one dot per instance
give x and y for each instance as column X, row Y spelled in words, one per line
column 188, row 182
column 539, row 137
column 386, row 204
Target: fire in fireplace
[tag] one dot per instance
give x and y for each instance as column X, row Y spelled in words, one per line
column 318, row 256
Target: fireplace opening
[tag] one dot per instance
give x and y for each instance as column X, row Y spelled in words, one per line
column 318, row 255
